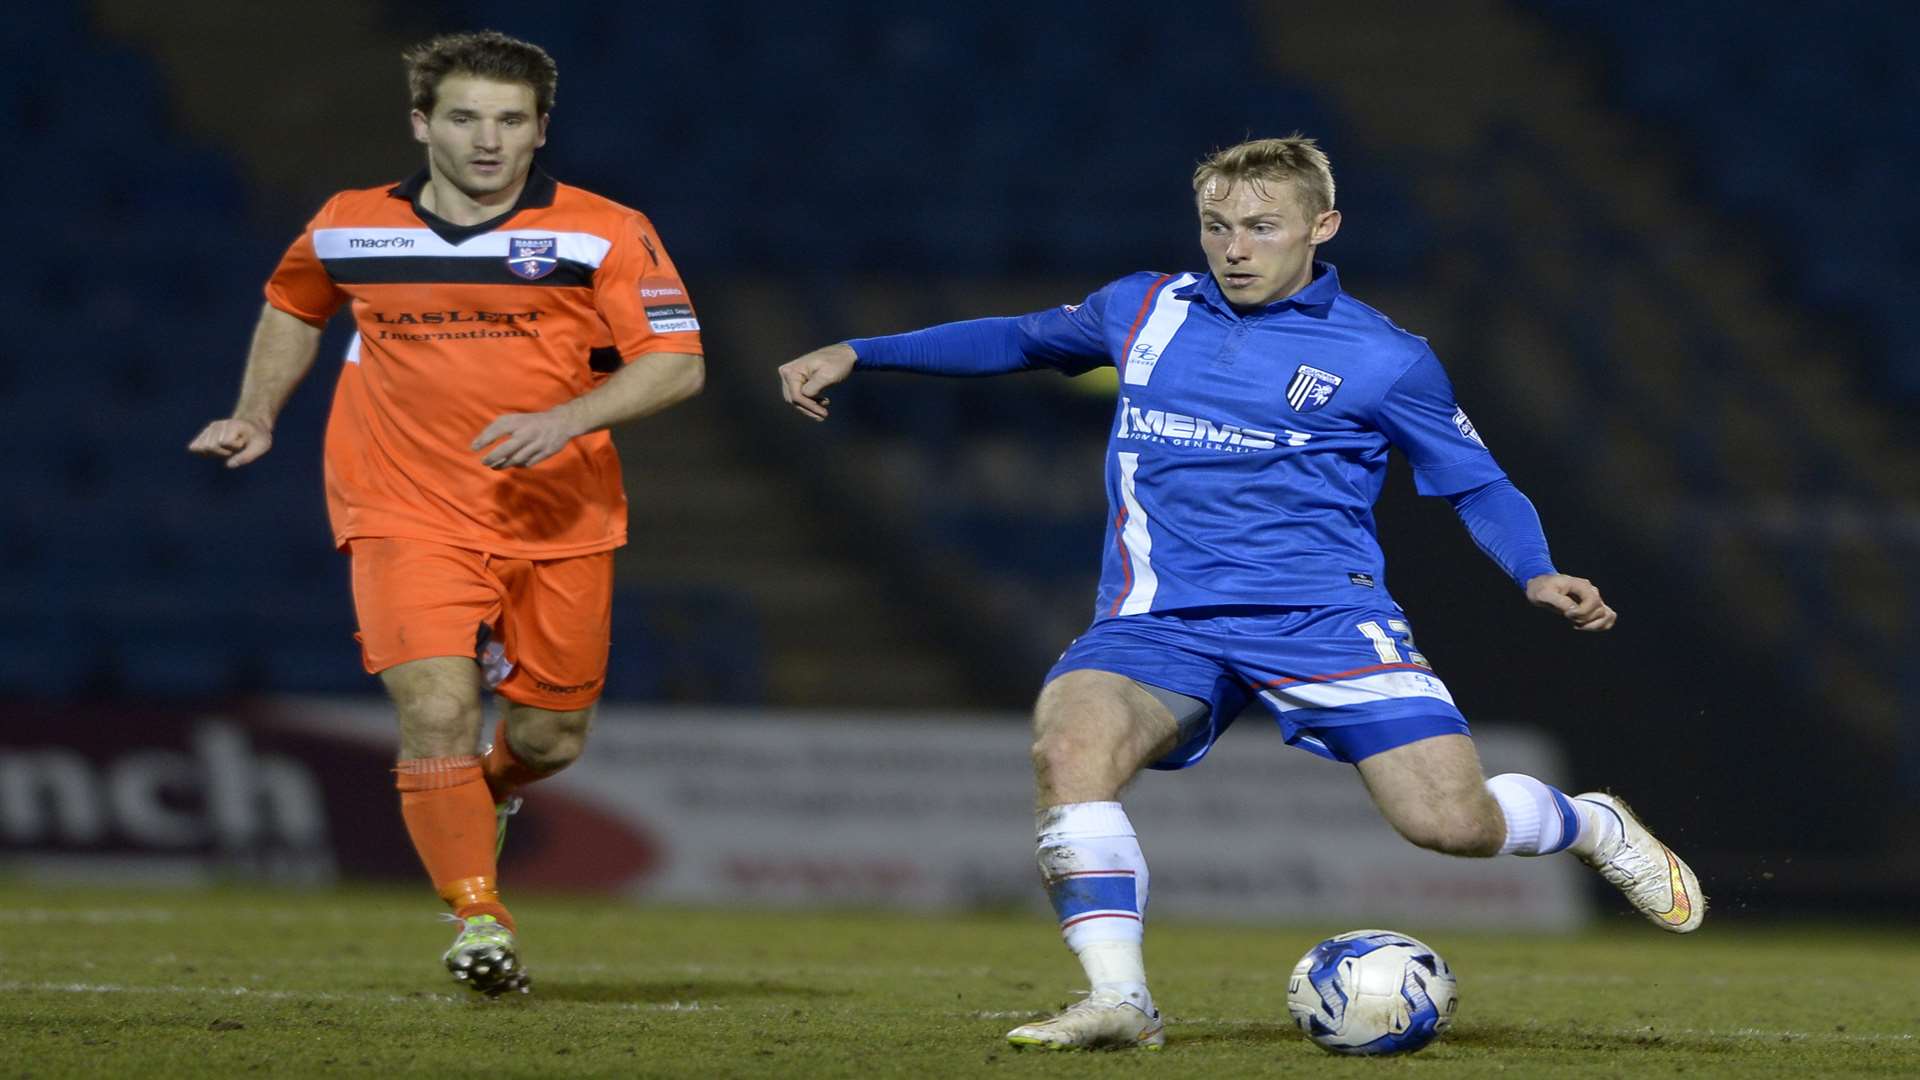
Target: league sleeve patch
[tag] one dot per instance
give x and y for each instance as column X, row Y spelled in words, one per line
column 671, row 318
column 1466, row 427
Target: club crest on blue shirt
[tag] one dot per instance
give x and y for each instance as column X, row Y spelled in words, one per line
column 532, row 257
column 1311, row 388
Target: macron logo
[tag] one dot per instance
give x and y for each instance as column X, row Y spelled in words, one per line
column 380, row 242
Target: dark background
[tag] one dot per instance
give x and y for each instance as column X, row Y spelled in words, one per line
column 1666, row 251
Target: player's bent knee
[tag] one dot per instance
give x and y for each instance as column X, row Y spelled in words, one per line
column 1062, row 749
column 1053, row 754
column 436, row 708
column 1465, row 834
column 1079, row 765
column 556, row 753
column 437, row 725
column 547, row 740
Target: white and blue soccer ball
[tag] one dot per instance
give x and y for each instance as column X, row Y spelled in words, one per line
column 1372, row 992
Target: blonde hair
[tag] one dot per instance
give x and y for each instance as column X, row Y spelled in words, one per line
column 1295, row 159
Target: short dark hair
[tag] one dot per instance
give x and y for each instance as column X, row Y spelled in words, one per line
column 485, row 54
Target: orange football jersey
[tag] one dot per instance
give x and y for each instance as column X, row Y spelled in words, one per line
column 458, row 325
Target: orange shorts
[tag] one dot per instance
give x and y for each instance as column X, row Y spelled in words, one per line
column 549, row 619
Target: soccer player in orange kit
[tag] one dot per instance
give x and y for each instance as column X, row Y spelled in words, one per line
column 504, row 323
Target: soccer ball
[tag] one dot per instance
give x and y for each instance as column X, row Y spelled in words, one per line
column 1372, row 992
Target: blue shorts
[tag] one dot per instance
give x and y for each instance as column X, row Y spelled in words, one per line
column 1343, row 682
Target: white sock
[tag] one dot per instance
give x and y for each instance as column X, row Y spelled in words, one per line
column 1598, row 828
column 1091, row 864
column 1118, row 967
column 1540, row 819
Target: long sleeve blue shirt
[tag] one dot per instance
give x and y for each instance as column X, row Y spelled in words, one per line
column 1247, row 448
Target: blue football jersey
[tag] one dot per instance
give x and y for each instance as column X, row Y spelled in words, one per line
column 1248, row 449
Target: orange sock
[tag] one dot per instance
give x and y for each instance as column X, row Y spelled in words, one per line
column 505, row 771
column 449, row 815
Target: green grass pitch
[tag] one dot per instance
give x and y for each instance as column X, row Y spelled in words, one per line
column 153, row 984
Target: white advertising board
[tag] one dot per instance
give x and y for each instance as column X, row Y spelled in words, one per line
column 932, row 811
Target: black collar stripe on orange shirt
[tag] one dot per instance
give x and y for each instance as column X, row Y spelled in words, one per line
column 538, row 194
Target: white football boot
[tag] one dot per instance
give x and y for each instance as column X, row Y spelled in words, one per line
column 1102, row 1021
column 1658, row 884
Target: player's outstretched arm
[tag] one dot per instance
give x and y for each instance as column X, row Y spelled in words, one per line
column 645, row 385
column 1574, row 597
column 802, row 380
column 282, row 351
column 970, row 348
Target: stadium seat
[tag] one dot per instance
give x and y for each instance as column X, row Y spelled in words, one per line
column 1799, row 101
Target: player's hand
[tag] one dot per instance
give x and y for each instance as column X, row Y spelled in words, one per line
column 239, row 441
column 525, row 438
column 802, row 380
column 1574, row 597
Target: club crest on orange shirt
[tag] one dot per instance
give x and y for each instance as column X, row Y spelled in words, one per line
column 532, row 257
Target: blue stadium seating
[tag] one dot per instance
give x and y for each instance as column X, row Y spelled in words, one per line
column 147, row 572
column 1801, row 116
column 130, row 567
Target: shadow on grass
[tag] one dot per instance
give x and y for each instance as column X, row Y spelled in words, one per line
column 679, row 991
column 1483, row 1036
column 1179, row 1034
column 1477, row 1037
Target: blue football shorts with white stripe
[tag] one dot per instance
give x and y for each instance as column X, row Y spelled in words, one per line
column 1342, row 682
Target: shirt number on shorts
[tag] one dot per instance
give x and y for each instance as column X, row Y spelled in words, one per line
column 1384, row 644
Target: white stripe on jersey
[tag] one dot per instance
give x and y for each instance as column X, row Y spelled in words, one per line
column 1138, row 543
column 1297, row 392
column 1169, row 312
column 1385, row 686
column 415, row 243
column 353, row 350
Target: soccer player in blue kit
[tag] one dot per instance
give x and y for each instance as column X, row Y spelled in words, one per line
column 1256, row 406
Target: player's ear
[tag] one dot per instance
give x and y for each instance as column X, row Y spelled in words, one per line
column 419, row 127
column 1325, row 226
column 541, row 140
